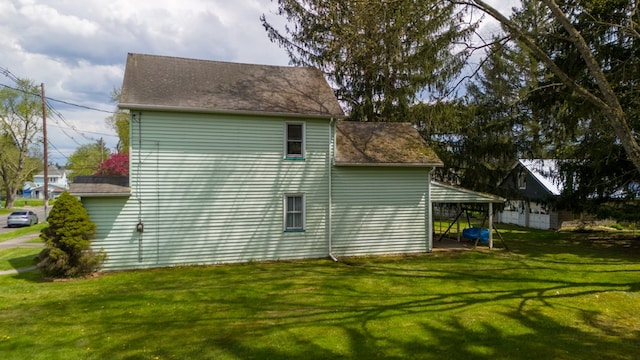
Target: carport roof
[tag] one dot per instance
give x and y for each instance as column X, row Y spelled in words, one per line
column 445, row 193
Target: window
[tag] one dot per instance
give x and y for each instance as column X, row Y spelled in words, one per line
column 294, row 135
column 294, row 212
column 522, row 180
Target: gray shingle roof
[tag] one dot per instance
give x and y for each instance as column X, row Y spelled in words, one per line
column 100, row 186
column 161, row 82
column 379, row 143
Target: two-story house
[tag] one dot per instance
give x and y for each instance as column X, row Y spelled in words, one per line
column 57, row 184
column 239, row 162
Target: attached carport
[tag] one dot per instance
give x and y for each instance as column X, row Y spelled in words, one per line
column 462, row 199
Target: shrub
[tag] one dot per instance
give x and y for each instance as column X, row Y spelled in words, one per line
column 67, row 239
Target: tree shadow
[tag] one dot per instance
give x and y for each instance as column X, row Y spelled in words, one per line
column 370, row 309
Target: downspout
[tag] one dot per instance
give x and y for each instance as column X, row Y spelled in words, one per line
column 429, row 209
column 330, row 210
column 139, row 225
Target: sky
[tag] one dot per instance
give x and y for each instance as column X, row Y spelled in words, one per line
column 78, row 49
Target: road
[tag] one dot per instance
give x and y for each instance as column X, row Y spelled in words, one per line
column 39, row 210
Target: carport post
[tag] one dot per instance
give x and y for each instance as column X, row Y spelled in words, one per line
column 490, row 225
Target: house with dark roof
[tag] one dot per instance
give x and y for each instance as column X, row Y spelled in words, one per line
column 531, row 188
column 240, row 162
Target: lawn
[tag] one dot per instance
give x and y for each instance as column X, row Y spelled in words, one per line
column 18, row 258
column 554, row 296
column 27, row 230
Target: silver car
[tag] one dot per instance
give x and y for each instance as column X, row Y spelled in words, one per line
column 22, row 218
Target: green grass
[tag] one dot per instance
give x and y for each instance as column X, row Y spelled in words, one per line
column 554, row 296
column 34, row 229
column 17, row 258
column 20, row 203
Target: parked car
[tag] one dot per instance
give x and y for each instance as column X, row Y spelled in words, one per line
column 22, row 218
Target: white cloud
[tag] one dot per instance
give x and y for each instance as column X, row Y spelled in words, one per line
column 51, row 19
column 77, row 48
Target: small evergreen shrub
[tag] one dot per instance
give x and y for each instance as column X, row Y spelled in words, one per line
column 67, row 251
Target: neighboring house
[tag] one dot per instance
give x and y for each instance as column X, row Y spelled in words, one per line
column 531, row 188
column 238, row 162
column 57, row 184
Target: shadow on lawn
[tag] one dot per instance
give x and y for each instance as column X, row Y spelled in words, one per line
column 22, row 261
column 545, row 338
column 612, row 245
column 501, row 306
column 323, row 310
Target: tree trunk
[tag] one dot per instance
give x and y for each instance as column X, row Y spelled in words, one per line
column 605, row 99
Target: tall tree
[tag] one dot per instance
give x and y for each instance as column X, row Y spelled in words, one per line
column 498, row 130
column 592, row 50
column 120, row 123
column 379, row 55
column 87, row 158
column 20, row 114
column 501, row 125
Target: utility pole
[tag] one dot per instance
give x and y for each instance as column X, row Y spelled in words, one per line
column 101, row 141
column 45, row 155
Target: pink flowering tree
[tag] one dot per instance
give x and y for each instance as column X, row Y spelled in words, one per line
column 115, row 165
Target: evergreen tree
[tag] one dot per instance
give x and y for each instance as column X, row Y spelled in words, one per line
column 379, row 55
column 592, row 49
column 67, row 239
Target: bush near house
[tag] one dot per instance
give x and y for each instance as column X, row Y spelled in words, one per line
column 67, row 239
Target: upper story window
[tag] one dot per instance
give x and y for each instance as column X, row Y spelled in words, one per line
column 522, row 180
column 294, row 140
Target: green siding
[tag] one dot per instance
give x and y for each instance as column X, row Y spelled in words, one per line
column 209, row 189
column 379, row 210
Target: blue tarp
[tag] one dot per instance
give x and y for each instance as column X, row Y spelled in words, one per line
column 472, row 234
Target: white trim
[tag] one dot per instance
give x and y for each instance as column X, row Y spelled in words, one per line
column 303, row 140
column 132, row 107
column 285, row 211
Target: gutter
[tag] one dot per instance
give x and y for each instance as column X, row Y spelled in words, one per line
column 378, row 164
column 143, row 107
column 88, row 195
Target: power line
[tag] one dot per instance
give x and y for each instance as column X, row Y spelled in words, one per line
column 58, row 150
column 61, row 117
column 59, row 101
column 82, row 106
column 59, row 114
column 89, row 132
column 9, row 74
